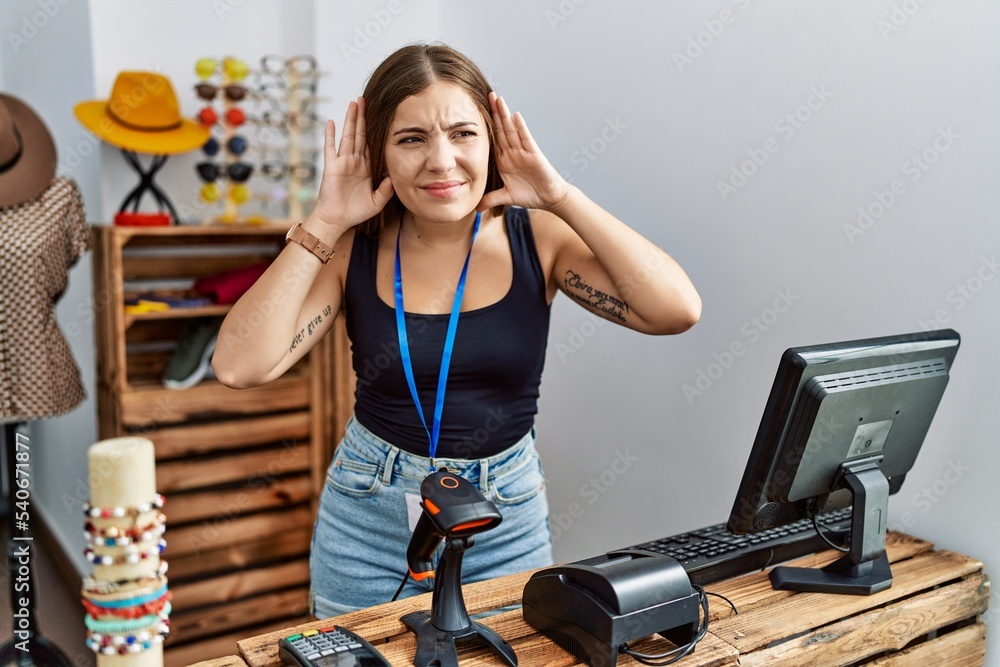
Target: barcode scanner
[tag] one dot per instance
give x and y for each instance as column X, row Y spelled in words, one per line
column 453, row 511
column 453, row 507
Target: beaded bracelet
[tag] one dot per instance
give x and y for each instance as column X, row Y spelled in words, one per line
column 154, row 607
column 120, row 538
column 128, row 626
column 92, row 586
column 129, row 602
column 117, row 512
column 127, row 643
column 130, row 558
column 115, row 534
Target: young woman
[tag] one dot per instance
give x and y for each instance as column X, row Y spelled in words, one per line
column 442, row 234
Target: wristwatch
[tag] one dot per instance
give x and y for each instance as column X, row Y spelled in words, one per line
column 298, row 234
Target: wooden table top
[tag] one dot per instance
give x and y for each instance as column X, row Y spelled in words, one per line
column 932, row 591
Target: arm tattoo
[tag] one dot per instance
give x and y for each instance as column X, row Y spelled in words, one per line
column 310, row 328
column 577, row 289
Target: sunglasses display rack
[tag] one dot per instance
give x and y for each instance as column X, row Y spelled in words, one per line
column 265, row 139
column 223, row 171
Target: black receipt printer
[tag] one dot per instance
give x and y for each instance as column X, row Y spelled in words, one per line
column 593, row 606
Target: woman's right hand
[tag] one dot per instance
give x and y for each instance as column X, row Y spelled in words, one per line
column 345, row 195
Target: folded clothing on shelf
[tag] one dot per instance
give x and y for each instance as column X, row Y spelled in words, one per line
column 229, row 286
column 160, row 300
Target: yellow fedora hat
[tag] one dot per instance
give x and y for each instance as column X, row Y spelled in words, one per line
column 142, row 115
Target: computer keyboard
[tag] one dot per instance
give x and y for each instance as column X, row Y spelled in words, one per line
column 713, row 553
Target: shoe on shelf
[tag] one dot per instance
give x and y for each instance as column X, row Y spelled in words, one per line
column 191, row 361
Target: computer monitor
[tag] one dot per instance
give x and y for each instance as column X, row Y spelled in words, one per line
column 842, row 427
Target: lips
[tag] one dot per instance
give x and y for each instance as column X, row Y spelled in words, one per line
column 442, row 189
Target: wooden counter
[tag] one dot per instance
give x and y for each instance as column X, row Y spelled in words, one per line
column 928, row 617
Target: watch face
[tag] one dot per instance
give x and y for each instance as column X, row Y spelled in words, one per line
column 288, row 235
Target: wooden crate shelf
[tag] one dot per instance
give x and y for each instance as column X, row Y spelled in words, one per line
column 289, row 544
column 241, row 469
column 148, row 405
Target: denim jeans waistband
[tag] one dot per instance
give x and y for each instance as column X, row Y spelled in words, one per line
column 395, row 461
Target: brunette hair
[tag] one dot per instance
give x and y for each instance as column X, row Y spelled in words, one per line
column 409, row 71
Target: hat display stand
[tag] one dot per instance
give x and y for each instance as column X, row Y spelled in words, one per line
column 146, row 184
column 40, row 651
column 142, row 115
column 126, row 597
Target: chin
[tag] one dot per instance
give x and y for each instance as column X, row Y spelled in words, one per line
column 449, row 210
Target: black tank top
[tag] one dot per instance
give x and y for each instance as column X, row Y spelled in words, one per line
column 496, row 366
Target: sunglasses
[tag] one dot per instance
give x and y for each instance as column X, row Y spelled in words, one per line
column 234, row 116
column 234, row 92
column 238, row 172
column 235, row 145
column 300, row 171
column 238, row 193
column 233, row 68
column 303, row 65
column 282, row 120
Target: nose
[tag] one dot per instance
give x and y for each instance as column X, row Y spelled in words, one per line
column 440, row 156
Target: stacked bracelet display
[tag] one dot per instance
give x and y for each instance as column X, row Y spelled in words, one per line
column 130, row 615
column 120, row 637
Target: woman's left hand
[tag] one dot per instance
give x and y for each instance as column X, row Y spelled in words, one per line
column 529, row 180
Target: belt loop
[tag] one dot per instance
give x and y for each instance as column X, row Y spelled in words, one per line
column 484, row 475
column 390, row 459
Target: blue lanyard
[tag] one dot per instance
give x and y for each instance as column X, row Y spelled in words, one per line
column 449, row 342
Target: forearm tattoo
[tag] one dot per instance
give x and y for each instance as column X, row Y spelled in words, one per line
column 578, row 289
column 311, row 327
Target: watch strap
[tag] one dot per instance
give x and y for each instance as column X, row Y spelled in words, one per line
column 298, row 234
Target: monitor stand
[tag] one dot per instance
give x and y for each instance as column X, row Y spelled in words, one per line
column 865, row 568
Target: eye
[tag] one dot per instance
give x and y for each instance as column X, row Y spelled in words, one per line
column 465, row 134
column 410, row 140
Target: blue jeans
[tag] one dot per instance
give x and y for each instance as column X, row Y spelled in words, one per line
column 358, row 554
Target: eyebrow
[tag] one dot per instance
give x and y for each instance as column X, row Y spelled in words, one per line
column 453, row 126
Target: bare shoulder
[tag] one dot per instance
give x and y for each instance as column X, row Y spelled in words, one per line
column 551, row 234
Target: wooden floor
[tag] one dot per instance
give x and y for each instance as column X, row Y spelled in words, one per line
column 58, row 612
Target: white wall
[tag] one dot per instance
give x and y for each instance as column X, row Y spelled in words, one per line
column 661, row 138
column 891, row 84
